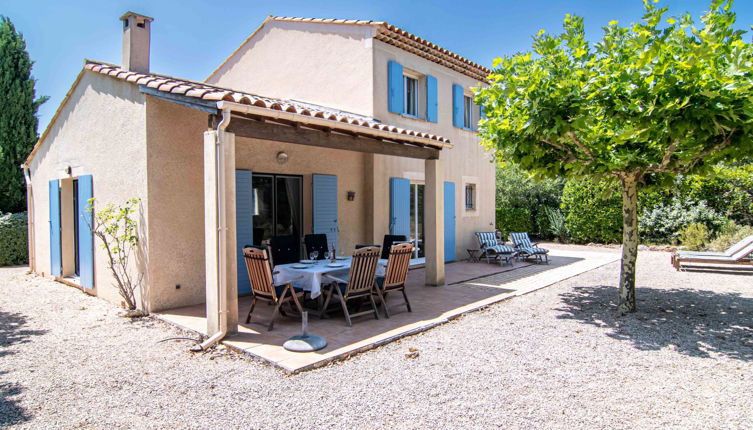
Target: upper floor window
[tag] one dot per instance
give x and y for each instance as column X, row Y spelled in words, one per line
column 411, row 95
column 467, row 112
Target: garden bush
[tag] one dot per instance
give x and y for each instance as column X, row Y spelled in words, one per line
column 593, row 211
column 664, row 222
column 730, row 235
column 14, row 239
column 521, row 201
column 728, row 190
column 511, row 219
column 695, row 236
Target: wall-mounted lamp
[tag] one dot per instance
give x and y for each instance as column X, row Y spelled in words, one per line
column 68, row 170
column 282, row 158
column 351, row 196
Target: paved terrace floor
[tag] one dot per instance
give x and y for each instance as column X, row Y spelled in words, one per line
column 470, row 287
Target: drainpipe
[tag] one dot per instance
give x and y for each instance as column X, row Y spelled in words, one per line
column 219, row 173
column 30, row 218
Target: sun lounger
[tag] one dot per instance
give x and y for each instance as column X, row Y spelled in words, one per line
column 492, row 250
column 727, row 253
column 529, row 249
column 743, row 256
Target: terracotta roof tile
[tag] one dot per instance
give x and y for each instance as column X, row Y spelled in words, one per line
column 204, row 91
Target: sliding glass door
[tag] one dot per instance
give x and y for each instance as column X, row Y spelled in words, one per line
column 417, row 218
column 278, row 206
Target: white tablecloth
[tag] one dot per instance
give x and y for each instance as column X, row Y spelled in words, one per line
column 311, row 276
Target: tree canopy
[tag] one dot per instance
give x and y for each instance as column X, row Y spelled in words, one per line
column 18, row 116
column 648, row 101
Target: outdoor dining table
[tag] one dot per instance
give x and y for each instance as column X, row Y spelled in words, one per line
column 309, row 278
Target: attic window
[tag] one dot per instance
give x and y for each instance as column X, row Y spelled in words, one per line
column 125, row 23
column 140, row 24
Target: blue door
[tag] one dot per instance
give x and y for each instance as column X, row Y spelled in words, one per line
column 400, row 206
column 244, row 225
column 56, row 267
column 85, row 235
column 325, row 207
column 449, row 221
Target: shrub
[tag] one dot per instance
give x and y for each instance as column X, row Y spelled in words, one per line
column 520, row 196
column 694, row 236
column 730, row 235
column 663, row 222
column 592, row 211
column 14, row 239
column 511, row 219
column 556, row 221
column 728, row 190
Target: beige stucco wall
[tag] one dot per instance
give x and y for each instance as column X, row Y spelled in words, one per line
column 466, row 162
column 176, row 210
column 259, row 156
column 342, row 67
column 99, row 131
column 325, row 64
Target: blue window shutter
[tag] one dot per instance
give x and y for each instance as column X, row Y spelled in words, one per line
column 457, row 105
column 400, row 206
column 85, row 235
column 56, row 267
column 431, row 98
column 244, row 224
column 325, row 207
column 449, row 221
column 395, row 87
column 481, row 112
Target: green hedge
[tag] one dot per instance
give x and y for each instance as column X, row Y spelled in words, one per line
column 14, row 239
column 514, row 220
column 593, row 212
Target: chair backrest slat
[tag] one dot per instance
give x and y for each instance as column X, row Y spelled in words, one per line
column 486, row 239
column 259, row 271
column 521, row 239
column 397, row 265
column 363, row 270
column 739, row 246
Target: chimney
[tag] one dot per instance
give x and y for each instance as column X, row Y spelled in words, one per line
column 136, row 30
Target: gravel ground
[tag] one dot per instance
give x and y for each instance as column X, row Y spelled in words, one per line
column 556, row 358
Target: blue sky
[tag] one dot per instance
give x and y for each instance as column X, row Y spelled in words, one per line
column 191, row 37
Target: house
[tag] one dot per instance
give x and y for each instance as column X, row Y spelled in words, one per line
column 351, row 128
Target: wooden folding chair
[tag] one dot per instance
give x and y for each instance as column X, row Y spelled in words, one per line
column 263, row 286
column 397, row 272
column 360, row 283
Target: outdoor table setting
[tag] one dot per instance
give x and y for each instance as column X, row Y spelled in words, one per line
column 307, row 274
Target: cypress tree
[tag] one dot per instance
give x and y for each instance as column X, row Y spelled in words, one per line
column 18, row 116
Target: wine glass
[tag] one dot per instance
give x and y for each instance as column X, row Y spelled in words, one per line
column 326, row 255
column 313, row 255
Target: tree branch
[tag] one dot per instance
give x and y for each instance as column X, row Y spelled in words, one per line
column 718, row 147
column 570, row 157
column 581, row 146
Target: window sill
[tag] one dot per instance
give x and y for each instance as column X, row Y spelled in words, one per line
column 413, row 117
column 466, row 129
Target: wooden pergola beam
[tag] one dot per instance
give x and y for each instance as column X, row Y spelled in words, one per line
column 334, row 139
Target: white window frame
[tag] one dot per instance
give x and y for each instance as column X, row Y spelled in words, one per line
column 467, row 112
column 409, row 98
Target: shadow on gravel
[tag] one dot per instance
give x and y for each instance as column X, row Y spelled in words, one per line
column 12, row 332
column 694, row 322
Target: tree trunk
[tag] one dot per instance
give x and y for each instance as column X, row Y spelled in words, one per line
column 629, row 243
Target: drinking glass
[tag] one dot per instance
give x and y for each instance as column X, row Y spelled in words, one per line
column 326, row 255
column 313, row 255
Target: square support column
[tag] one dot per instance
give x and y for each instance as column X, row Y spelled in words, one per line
column 434, row 222
column 219, row 227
